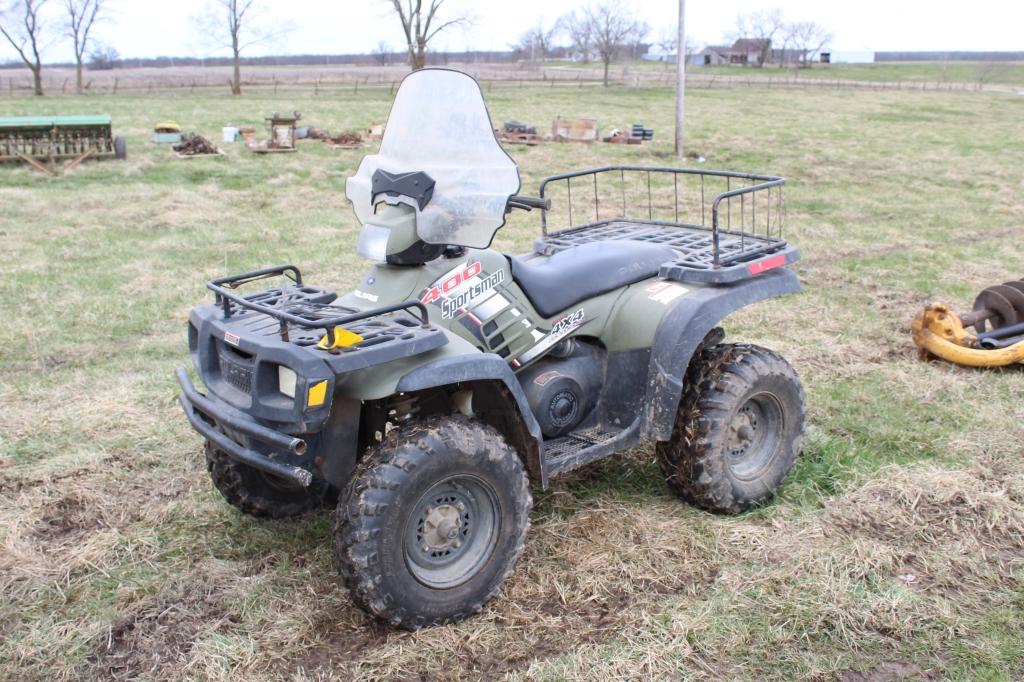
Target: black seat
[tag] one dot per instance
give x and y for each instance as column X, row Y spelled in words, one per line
column 554, row 283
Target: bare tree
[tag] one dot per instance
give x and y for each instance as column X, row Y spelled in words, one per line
column 668, row 43
column 82, row 15
column 989, row 72
column 234, row 24
column 20, row 23
column 103, row 58
column 807, row 38
column 761, row 26
column 382, row 53
column 668, row 38
column 612, row 27
column 421, row 25
column 580, row 35
column 538, row 40
column 643, row 29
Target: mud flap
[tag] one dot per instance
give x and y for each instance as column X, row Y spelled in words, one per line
column 338, row 445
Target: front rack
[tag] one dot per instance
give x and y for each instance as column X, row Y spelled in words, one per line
column 723, row 225
column 299, row 305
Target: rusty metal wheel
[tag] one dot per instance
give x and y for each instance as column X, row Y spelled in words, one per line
column 453, row 531
column 754, row 436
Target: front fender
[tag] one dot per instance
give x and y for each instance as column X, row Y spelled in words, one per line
column 479, row 366
column 683, row 328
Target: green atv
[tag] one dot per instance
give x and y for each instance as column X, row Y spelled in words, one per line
column 428, row 399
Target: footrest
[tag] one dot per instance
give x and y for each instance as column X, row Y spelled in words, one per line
column 583, row 447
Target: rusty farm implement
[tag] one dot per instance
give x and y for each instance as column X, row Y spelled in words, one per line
column 997, row 318
column 54, row 144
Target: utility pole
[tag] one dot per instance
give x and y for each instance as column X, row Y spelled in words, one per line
column 680, row 80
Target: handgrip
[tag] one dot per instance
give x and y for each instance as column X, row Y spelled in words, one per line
column 528, row 203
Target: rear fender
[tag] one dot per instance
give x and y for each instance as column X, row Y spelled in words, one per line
column 498, row 400
column 680, row 333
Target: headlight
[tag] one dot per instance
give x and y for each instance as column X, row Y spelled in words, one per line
column 286, row 380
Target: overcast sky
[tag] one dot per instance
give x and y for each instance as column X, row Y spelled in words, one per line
column 149, row 28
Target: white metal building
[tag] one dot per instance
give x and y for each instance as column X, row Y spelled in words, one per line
column 847, row 57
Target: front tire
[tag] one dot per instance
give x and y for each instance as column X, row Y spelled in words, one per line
column 433, row 522
column 256, row 493
column 738, row 429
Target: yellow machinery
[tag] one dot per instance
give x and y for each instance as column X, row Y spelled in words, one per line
column 998, row 322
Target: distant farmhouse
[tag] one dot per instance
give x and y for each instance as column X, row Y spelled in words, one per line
column 746, row 51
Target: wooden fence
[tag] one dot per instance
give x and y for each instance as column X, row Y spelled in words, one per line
column 309, row 82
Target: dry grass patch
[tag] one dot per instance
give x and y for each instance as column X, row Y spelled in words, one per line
column 118, row 560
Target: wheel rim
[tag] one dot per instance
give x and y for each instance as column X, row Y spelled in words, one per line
column 452, row 531
column 754, row 436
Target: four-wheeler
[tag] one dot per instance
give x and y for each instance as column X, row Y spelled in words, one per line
column 427, row 400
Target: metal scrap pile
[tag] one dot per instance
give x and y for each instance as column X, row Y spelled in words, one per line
column 195, row 145
column 518, row 133
column 349, row 139
column 318, row 133
column 640, row 133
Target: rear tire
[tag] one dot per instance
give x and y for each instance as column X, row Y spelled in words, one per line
column 120, row 148
column 256, row 493
column 432, row 522
column 738, row 429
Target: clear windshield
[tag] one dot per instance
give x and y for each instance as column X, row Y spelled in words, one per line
column 439, row 125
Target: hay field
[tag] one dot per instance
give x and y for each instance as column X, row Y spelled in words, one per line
column 895, row 550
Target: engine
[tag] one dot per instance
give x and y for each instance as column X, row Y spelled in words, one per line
column 563, row 388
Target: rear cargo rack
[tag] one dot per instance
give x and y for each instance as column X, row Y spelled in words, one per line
column 304, row 306
column 724, row 226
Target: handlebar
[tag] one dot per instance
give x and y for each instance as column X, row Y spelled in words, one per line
column 526, row 203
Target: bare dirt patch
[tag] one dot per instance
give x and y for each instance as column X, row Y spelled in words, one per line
column 68, row 516
column 889, row 671
column 155, row 641
column 932, row 506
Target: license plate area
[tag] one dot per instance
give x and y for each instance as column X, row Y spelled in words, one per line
column 236, row 368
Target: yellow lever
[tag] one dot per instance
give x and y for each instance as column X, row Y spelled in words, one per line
column 343, row 338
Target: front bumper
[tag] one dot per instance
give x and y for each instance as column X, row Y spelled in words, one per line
column 210, row 420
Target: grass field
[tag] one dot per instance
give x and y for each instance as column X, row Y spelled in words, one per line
column 1011, row 73
column 896, row 548
column 1007, row 73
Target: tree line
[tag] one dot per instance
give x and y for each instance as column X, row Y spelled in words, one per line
column 603, row 30
column 599, row 30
